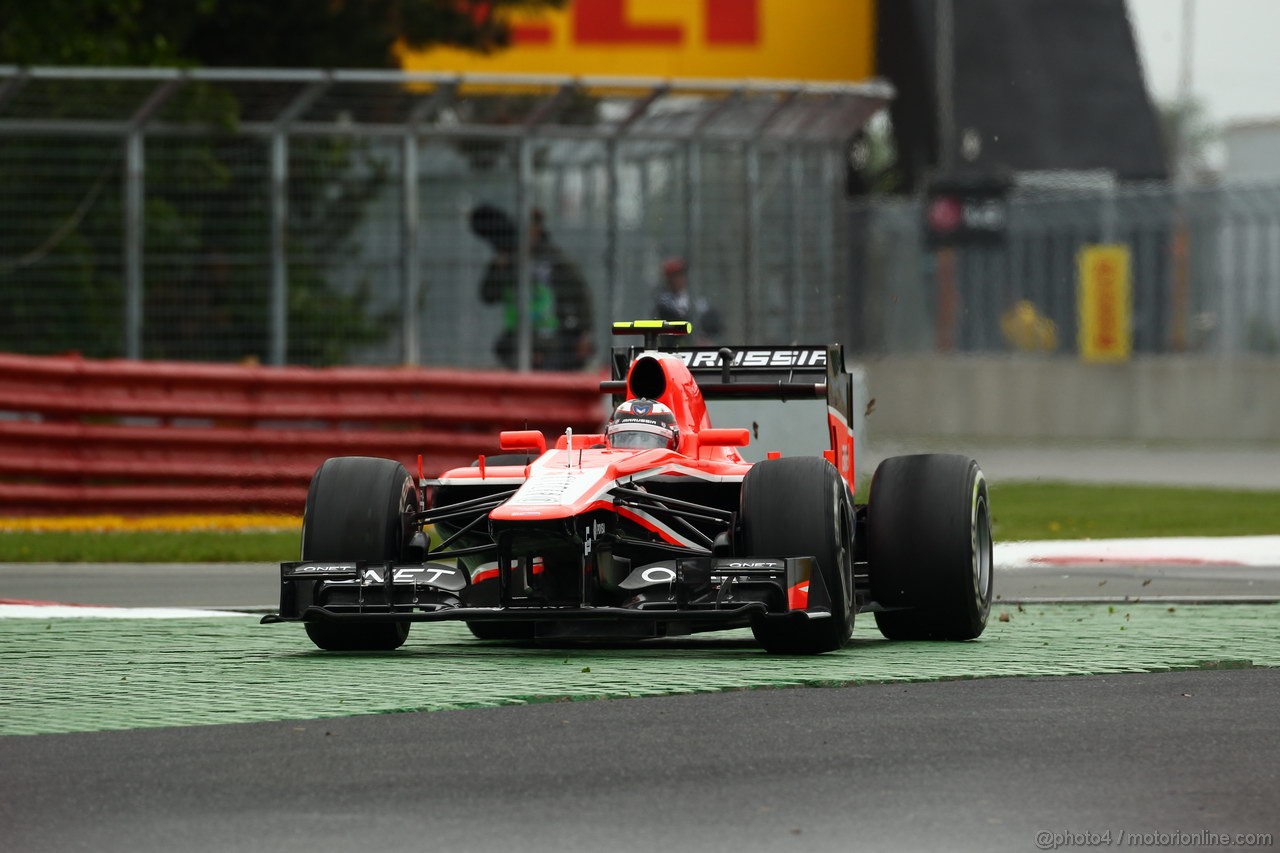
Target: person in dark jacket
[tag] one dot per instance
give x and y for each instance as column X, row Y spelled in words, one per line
column 560, row 304
column 674, row 302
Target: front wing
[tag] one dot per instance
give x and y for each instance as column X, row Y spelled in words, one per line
column 669, row 597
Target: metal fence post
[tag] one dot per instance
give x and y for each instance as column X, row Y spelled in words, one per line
column 280, row 217
column 827, row 225
column 524, row 256
column 751, row 247
column 409, row 349
column 755, row 211
column 134, row 215
column 133, row 224
column 692, row 214
column 411, row 218
column 696, row 259
column 613, row 150
column 613, row 228
column 795, row 185
column 279, row 268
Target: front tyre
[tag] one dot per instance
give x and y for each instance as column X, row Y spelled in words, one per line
column 929, row 547
column 358, row 508
column 799, row 507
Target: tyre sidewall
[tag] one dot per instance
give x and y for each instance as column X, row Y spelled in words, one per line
column 358, row 509
column 798, row 507
column 929, row 546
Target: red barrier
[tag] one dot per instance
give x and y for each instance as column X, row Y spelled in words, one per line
column 83, row 436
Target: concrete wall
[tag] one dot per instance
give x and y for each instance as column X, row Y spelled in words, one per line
column 1155, row 398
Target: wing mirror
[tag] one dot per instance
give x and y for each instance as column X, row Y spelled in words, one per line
column 724, row 438
column 524, row 440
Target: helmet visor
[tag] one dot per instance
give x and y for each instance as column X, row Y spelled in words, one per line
column 641, row 436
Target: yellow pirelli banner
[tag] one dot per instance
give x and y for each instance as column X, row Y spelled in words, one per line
column 812, row 40
column 1105, row 303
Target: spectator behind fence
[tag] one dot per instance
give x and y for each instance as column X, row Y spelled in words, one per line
column 560, row 303
column 674, row 302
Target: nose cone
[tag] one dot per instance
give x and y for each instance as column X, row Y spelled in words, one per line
column 555, row 490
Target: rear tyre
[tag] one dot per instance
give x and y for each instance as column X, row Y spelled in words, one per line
column 799, row 507
column 929, row 547
column 357, row 509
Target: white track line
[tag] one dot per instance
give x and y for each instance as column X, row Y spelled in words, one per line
column 75, row 611
column 1180, row 551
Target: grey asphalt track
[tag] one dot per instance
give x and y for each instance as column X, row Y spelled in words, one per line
column 222, row 585
column 977, row 765
column 1114, row 582
column 255, row 586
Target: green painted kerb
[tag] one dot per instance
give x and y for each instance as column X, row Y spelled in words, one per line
column 65, row 675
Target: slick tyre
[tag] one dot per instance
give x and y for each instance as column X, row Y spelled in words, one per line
column 800, row 507
column 357, row 510
column 929, row 547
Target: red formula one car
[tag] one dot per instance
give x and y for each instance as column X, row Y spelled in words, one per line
column 657, row 527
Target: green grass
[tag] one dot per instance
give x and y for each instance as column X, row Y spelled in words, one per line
column 1076, row 511
column 148, row 547
column 1019, row 511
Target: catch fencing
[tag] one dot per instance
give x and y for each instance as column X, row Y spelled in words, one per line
column 310, row 217
column 1205, row 268
column 320, row 218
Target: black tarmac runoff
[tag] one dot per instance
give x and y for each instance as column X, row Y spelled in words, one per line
column 995, row 764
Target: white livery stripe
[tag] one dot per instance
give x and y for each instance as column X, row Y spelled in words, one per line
column 687, row 472
column 72, row 611
column 663, row 529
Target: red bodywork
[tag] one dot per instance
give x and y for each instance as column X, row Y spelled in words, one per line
column 583, row 540
column 563, row 483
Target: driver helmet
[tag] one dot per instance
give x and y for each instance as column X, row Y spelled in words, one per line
column 643, row 425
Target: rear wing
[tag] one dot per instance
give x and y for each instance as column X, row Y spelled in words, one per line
column 793, row 372
column 784, row 372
